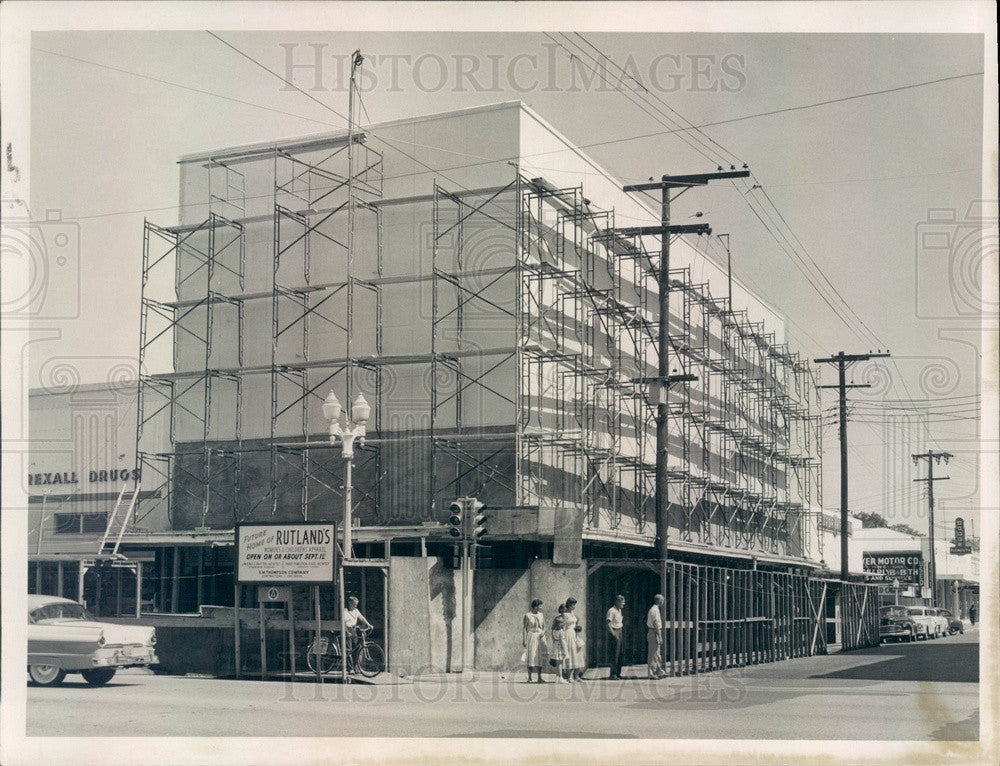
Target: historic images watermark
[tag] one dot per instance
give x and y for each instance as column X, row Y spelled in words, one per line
column 723, row 687
column 319, row 67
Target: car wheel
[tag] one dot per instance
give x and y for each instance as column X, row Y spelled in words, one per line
column 98, row 676
column 46, row 675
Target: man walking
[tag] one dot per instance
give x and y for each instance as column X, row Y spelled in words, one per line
column 973, row 613
column 616, row 623
column 654, row 637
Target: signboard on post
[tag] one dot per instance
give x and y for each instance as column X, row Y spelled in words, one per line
column 886, row 566
column 286, row 553
column 273, row 593
column 960, row 546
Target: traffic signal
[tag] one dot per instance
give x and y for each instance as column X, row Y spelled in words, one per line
column 455, row 520
column 477, row 519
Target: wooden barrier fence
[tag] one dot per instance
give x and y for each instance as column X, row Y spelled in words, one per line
column 719, row 617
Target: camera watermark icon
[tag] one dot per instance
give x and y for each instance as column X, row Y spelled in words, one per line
column 41, row 265
column 950, row 256
column 910, row 399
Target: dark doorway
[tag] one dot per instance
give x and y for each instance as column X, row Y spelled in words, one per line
column 638, row 583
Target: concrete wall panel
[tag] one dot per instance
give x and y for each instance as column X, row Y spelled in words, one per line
column 502, row 596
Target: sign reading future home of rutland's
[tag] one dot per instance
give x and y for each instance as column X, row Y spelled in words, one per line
column 886, row 566
column 286, row 552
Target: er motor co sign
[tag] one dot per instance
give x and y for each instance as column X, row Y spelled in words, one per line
column 885, row 566
column 286, row 553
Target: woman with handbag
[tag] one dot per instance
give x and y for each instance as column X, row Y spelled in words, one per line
column 531, row 639
column 572, row 662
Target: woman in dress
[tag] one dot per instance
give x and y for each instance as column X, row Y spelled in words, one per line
column 557, row 651
column 534, row 628
column 572, row 663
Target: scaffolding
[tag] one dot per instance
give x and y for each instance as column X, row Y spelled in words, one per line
column 313, row 259
column 523, row 327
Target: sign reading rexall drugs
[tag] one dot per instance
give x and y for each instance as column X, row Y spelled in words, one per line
column 286, row 552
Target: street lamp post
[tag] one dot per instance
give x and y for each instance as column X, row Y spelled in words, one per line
column 895, row 587
column 353, row 429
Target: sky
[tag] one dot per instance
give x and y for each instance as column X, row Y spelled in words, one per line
column 860, row 144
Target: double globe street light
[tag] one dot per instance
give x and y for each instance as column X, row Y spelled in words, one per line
column 352, row 429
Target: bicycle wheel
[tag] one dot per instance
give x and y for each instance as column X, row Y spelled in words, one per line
column 323, row 656
column 371, row 660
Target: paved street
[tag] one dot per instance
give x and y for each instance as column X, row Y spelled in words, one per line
column 922, row 691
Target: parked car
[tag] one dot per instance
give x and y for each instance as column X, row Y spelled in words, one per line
column 934, row 624
column 896, row 624
column 64, row 638
column 955, row 625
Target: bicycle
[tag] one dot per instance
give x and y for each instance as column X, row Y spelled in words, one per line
column 367, row 657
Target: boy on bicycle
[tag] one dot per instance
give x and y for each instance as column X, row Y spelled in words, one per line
column 353, row 622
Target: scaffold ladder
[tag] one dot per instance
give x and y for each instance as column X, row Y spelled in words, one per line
column 122, row 523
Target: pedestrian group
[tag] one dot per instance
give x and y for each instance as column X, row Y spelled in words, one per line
column 563, row 642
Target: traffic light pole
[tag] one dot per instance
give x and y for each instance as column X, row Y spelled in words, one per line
column 467, row 523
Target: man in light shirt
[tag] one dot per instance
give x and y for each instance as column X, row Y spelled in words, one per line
column 654, row 637
column 616, row 623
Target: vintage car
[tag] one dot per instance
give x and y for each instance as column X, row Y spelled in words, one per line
column 896, row 624
column 927, row 616
column 955, row 625
column 64, row 638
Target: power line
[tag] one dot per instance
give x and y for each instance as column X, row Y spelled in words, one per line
column 780, row 111
column 387, row 142
column 182, row 87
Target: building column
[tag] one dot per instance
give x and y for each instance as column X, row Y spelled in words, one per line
column 200, row 579
column 161, row 593
column 175, row 579
column 138, row 589
column 79, row 581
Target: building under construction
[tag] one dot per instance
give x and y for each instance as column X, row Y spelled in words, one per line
column 468, row 274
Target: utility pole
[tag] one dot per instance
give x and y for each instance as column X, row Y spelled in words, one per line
column 932, row 457
column 843, row 361
column 663, row 378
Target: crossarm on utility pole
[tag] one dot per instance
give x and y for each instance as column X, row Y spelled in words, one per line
column 665, row 185
column 843, row 361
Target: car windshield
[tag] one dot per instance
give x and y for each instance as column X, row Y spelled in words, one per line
column 915, row 612
column 895, row 612
column 60, row 611
column 944, row 613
